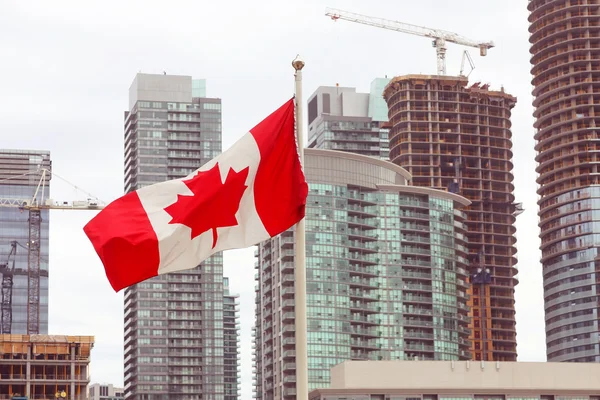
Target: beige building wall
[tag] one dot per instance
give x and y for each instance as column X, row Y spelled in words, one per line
column 465, row 378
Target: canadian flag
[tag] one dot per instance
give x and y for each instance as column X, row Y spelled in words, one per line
column 251, row 192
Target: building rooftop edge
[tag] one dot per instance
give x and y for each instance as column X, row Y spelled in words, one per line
column 7, row 338
column 462, row 79
column 165, row 74
column 23, row 151
column 463, row 377
column 359, row 157
column 429, row 191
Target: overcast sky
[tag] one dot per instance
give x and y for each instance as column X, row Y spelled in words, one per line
column 65, row 71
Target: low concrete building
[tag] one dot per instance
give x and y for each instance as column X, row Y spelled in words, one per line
column 98, row 391
column 45, row 366
column 461, row 380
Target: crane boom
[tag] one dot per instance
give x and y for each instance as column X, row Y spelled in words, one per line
column 439, row 36
column 34, row 207
column 49, row 204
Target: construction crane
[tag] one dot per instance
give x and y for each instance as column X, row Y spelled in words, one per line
column 7, row 270
column 440, row 37
column 34, row 207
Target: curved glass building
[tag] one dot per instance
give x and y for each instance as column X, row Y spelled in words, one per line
column 386, row 274
column 565, row 48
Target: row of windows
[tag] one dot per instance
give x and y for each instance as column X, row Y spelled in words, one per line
column 383, row 198
column 178, row 106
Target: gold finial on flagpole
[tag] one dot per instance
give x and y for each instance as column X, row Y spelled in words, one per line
column 298, row 63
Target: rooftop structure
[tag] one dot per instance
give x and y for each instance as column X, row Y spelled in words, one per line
column 341, row 119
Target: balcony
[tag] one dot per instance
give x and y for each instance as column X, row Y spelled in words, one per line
column 289, row 367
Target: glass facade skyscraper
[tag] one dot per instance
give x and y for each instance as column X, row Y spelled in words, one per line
column 14, row 226
column 174, row 323
column 386, row 274
column 341, row 119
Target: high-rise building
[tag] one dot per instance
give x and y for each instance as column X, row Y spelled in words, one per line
column 99, row 391
column 341, row 119
column 455, row 137
column 44, row 366
column 20, row 173
column 171, row 129
column 386, row 274
column 565, row 48
column 174, row 332
column 231, row 344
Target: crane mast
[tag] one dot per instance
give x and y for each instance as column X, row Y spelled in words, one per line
column 439, row 36
column 7, row 284
column 34, row 207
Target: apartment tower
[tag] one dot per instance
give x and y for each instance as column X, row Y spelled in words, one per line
column 341, row 119
column 231, row 344
column 565, row 48
column 455, row 137
column 20, row 173
column 386, row 275
column 174, row 323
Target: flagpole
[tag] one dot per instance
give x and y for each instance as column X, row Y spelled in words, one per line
column 300, row 270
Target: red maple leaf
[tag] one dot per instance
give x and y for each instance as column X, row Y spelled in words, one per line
column 213, row 204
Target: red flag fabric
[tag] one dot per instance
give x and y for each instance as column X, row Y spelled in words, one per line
column 251, row 192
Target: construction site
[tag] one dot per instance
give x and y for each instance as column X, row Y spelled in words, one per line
column 33, row 365
column 456, row 137
column 44, row 366
column 24, row 238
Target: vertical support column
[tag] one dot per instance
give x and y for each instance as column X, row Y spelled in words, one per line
column 28, row 371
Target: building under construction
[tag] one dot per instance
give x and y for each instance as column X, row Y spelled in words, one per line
column 44, row 366
column 456, row 137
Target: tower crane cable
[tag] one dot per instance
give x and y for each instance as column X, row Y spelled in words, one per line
column 54, row 174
